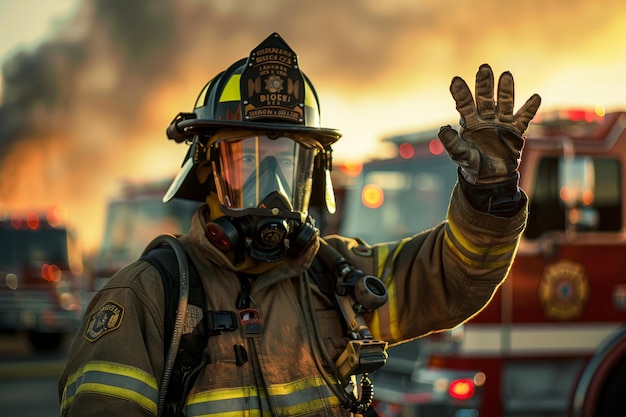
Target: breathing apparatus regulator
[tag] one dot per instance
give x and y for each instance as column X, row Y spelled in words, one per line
column 257, row 146
column 355, row 293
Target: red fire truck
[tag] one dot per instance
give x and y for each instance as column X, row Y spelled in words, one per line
column 41, row 277
column 552, row 342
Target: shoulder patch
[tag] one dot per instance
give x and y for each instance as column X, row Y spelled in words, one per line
column 106, row 319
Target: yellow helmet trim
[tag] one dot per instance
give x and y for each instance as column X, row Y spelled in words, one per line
column 202, row 97
column 309, row 98
column 231, row 91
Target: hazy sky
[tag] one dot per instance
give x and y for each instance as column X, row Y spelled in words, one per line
column 26, row 23
column 89, row 86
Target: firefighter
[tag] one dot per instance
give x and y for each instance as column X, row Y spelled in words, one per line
column 279, row 342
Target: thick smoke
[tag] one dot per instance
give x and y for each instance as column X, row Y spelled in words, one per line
column 90, row 105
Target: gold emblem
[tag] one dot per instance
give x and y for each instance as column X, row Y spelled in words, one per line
column 564, row 290
column 274, row 84
column 105, row 320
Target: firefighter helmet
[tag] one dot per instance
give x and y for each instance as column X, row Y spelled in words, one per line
column 266, row 91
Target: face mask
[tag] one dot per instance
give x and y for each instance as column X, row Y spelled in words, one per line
column 247, row 167
column 263, row 238
column 268, row 179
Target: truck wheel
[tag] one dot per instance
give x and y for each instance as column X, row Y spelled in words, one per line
column 45, row 342
column 600, row 388
column 611, row 402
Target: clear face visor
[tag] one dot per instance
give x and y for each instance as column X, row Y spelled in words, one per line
column 252, row 165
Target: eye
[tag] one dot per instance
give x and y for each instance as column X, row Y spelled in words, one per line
column 248, row 159
column 286, row 162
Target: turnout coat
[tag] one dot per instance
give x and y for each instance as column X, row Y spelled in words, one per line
column 435, row 279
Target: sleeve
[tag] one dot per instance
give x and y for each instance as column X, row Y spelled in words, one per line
column 439, row 278
column 116, row 359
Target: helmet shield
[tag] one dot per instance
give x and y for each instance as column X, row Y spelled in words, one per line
column 250, row 166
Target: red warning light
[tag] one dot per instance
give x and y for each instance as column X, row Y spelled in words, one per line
column 406, row 150
column 16, row 222
column 54, row 216
column 436, row 147
column 32, row 221
column 461, row 389
column 51, row 272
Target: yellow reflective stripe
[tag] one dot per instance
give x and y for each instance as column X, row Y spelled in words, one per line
column 383, row 253
column 113, row 380
column 227, row 402
column 231, row 91
column 375, row 320
column 299, row 396
column 223, row 394
column 317, row 404
column 122, row 393
column 288, row 399
column 391, row 290
column 250, row 413
column 477, row 256
column 290, row 387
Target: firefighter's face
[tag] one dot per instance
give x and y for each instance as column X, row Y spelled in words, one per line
column 251, row 166
column 280, row 151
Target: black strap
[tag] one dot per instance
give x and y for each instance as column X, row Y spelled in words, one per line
column 324, row 278
column 164, row 260
column 190, row 357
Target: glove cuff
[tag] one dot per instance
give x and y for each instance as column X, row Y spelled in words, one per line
column 503, row 199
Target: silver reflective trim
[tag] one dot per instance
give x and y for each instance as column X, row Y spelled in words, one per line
column 113, row 380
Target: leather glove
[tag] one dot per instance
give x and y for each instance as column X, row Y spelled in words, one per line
column 489, row 145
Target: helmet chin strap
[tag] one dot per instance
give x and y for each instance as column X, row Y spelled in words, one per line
column 215, row 209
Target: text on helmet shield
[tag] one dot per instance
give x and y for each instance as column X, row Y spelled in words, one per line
column 272, row 85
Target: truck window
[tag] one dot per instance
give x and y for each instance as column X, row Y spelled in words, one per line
column 28, row 247
column 583, row 192
column 131, row 224
column 398, row 199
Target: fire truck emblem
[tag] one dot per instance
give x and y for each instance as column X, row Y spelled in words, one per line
column 564, row 290
column 106, row 319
